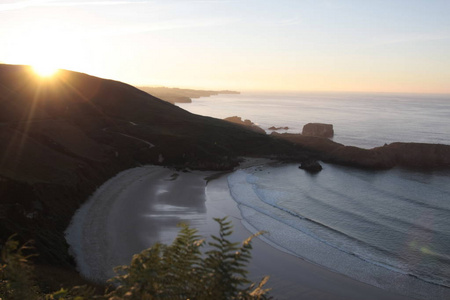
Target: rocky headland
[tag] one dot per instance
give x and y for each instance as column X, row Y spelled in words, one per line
column 245, row 123
column 406, row 155
column 177, row 95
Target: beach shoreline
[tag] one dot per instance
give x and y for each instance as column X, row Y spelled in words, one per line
column 143, row 205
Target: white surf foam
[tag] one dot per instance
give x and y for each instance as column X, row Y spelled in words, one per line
column 261, row 212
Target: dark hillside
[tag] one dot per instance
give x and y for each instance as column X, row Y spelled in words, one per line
column 63, row 137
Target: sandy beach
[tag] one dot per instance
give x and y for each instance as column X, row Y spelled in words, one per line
column 141, row 206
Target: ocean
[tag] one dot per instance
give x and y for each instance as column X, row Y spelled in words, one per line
column 386, row 228
column 362, row 120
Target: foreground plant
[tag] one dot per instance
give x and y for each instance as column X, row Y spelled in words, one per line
column 176, row 271
column 16, row 273
column 182, row 271
column 17, row 278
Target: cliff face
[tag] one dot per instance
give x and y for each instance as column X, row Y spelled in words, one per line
column 60, row 138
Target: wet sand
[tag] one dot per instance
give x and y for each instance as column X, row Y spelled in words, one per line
column 144, row 205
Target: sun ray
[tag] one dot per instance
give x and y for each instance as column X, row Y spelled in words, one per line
column 87, row 100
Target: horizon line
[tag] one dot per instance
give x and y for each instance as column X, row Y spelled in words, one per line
column 248, row 90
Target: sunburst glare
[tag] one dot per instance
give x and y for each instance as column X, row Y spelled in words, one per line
column 44, row 70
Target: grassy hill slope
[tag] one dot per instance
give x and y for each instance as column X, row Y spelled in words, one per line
column 62, row 137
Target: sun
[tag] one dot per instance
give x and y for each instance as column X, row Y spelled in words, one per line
column 44, row 70
column 49, row 47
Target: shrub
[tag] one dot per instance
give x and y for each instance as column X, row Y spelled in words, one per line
column 182, row 271
column 16, row 273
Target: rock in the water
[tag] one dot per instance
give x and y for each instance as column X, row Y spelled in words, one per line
column 278, row 128
column 318, row 129
column 311, row 166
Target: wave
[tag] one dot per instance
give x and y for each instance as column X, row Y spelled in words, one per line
column 253, row 193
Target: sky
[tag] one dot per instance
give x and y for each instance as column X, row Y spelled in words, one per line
column 285, row 45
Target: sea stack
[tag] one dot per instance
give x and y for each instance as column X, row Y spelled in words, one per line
column 318, row 129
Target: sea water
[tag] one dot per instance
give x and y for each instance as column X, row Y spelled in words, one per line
column 387, row 228
column 363, row 120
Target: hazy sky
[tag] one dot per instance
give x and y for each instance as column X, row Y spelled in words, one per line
column 313, row 45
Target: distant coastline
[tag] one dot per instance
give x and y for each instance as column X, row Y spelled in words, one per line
column 177, row 95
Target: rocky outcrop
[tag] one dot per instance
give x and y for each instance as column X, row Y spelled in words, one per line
column 418, row 155
column 246, row 123
column 278, row 128
column 311, row 166
column 318, row 129
column 407, row 155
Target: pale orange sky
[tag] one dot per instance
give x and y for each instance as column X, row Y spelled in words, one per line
column 364, row 46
